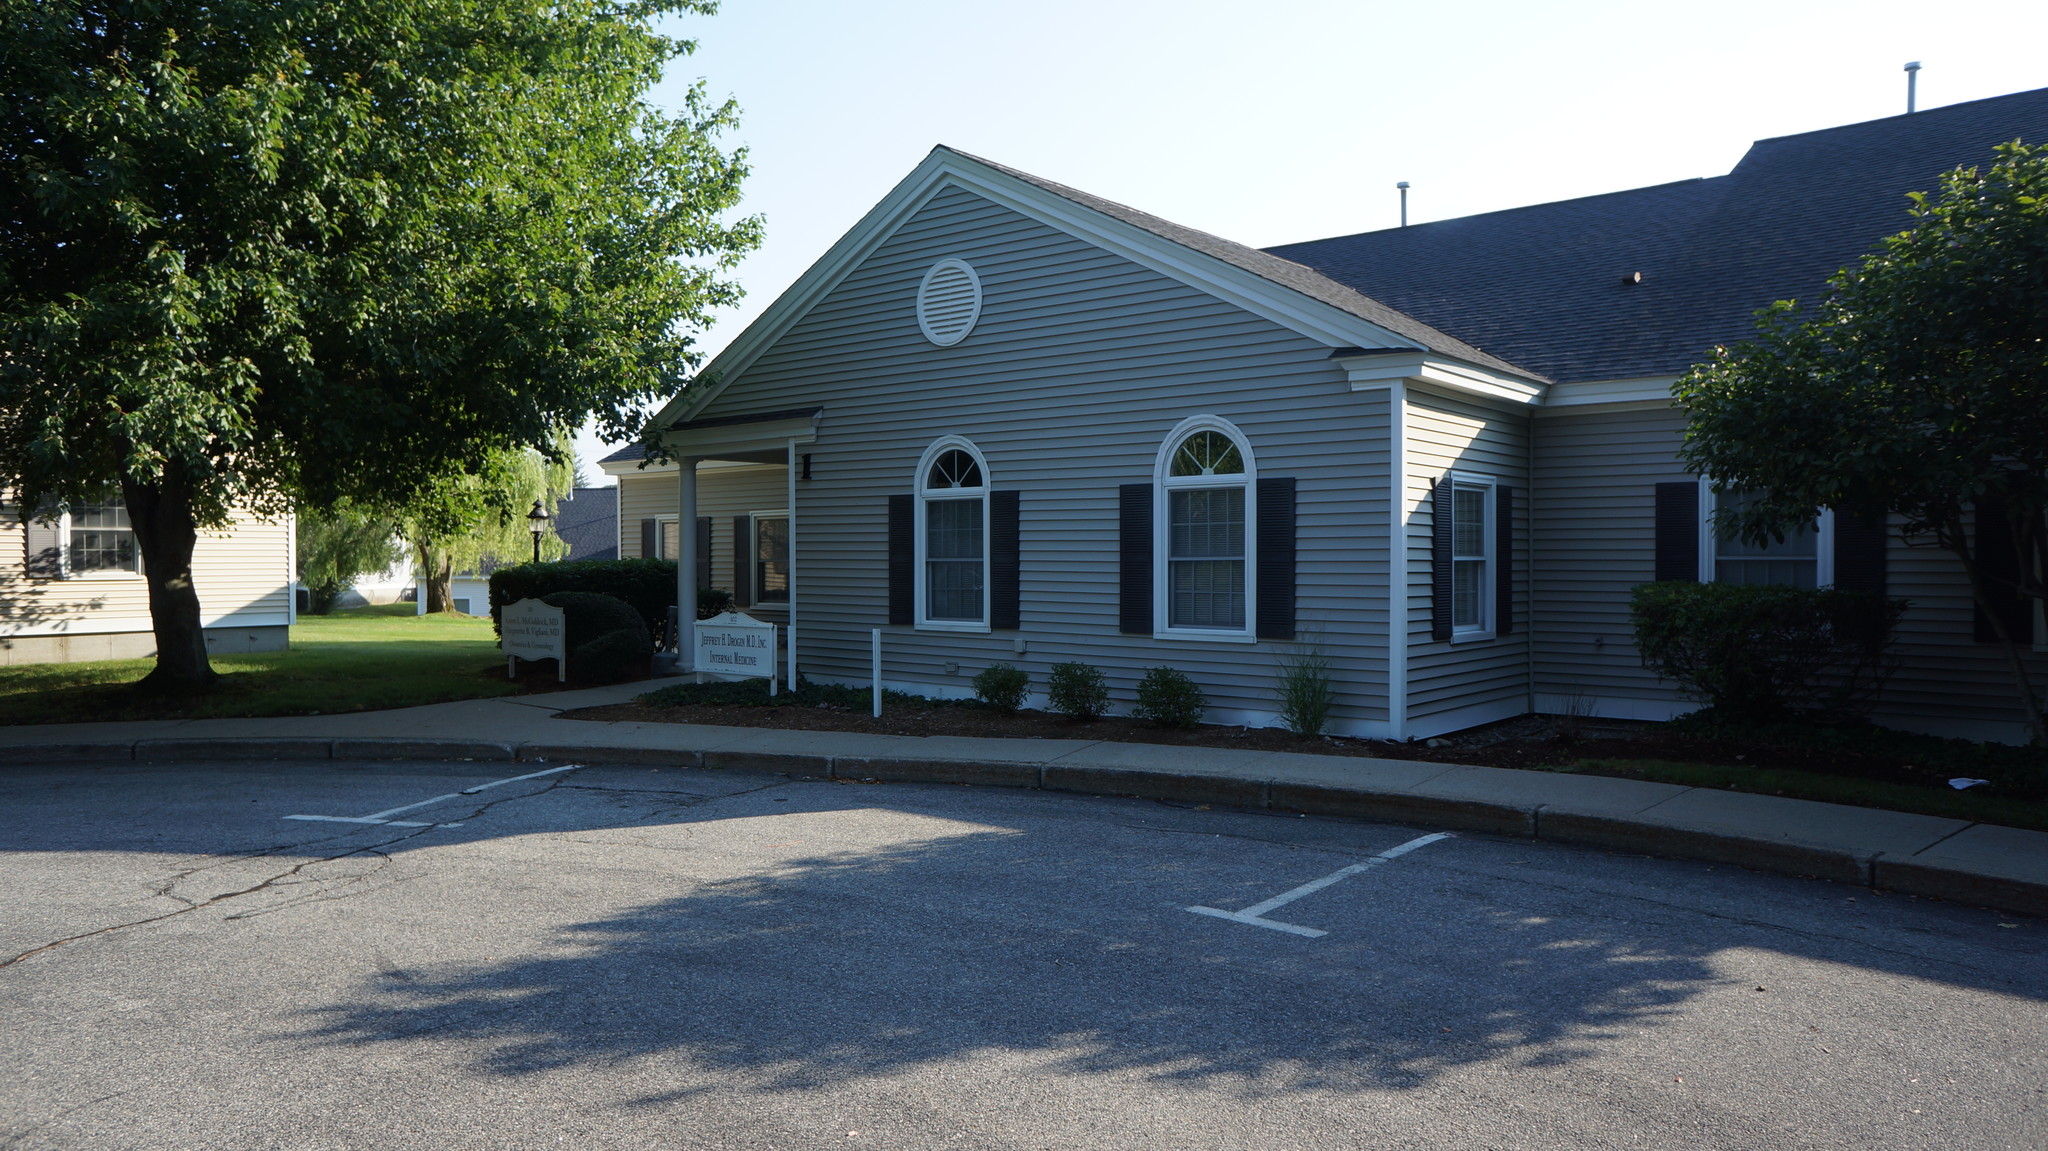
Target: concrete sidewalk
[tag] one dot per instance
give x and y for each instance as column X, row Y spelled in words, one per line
column 1977, row 863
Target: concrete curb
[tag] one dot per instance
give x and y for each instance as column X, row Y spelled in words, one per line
column 1991, row 885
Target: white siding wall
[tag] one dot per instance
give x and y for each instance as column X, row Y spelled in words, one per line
column 1080, row 365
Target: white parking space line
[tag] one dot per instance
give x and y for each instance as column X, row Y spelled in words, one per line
column 1256, row 913
column 383, row 817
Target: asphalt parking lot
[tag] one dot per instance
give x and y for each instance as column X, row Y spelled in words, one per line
column 631, row 957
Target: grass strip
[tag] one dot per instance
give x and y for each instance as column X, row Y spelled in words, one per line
column 360, row 659
column 1974, row 805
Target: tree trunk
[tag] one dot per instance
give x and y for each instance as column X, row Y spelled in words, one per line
column 165, row 534
column 436, row 576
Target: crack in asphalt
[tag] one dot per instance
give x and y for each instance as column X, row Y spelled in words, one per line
column 32, row 1128
column 276, row 880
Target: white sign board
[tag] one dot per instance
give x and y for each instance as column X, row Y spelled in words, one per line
column 734, row 643
column 531, row 629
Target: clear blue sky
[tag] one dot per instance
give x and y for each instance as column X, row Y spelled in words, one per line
column 1293, row 119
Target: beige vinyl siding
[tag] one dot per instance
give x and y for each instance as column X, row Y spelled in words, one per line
column 243, row 575
column 1465, row 680
column 1595, row 539
column 724, row 490
column 1080, row 365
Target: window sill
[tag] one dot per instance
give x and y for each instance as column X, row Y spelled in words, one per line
column 1183, row 635
column 102, row 576
column 1472, row 636
column 956, row 626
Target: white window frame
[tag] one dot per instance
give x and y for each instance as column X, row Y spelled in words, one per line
column 662, row 525
column 1164, row 483
column 64, row 568
column 920, row 591
column 1710, row 542
column 1489, row 613
column 754, row 556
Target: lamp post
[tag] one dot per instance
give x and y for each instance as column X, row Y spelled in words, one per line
column 537, row 523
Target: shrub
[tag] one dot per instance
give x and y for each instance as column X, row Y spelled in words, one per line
column 605, row 638
column 1306, row 694
column 648, row 585
column 1762, row 653
column 1078, row 690
column 1169, row 699
column 1001, row 687
column 713, row 601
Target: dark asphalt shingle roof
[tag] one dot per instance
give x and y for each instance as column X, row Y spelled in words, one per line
column 628, row 454
column 1542, row 286
column 588, row 521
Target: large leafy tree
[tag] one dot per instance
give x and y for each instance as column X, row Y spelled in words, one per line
column 254, row 251
column 1917, row 385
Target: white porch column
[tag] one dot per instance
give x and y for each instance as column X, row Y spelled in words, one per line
column 686, row 568
column 789, row 477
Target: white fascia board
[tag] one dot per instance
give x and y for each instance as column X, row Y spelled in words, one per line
column 758, row 436
column 1385, row 369
column 1644, row 391
column 1284, row 306
column 633, row 468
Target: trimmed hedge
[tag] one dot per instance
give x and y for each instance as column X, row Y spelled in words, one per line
column 606, row 639
column 649, row 586
column 1757, row 653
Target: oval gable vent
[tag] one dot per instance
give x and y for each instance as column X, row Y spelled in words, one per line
column 948, row 302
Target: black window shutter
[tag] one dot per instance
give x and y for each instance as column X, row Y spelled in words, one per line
column 1678, row 531
column 1134, row 558
column 1503, row 560
column 703, row 552
column 1998, row 566
column 1274, row 618
column 650, row 539
column 1859, row 551
column 743, row 559
column 1005, row 565
column 1440, row 513
column 902, row 558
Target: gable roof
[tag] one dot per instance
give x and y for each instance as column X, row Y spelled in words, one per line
column 1543, row 286
column 1281, row 290
column 1283, row 272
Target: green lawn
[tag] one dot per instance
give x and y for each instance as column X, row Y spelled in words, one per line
column 355, row 660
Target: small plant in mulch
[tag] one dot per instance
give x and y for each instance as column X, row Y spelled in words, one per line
column 1306, row 691
column 1002, row 687
column 1078, row 690
column 1167, row 697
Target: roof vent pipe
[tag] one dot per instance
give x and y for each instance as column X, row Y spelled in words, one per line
column 1403, row 185
column 1912, row 85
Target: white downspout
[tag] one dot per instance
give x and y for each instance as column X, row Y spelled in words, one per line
column 1397, row 560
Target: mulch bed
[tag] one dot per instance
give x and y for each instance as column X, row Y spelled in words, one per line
column 1530, row 741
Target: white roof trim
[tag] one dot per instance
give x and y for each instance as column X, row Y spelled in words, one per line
column 1605, row 393
column 942, row 169
column 1370, row 370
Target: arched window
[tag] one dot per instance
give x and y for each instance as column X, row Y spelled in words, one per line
column 1204, row 539
column 952, row 536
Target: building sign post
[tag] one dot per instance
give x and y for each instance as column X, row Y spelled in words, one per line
column 734, row 643
column 531, row 629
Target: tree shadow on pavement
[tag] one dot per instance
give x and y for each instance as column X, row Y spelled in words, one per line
column 813, row 974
